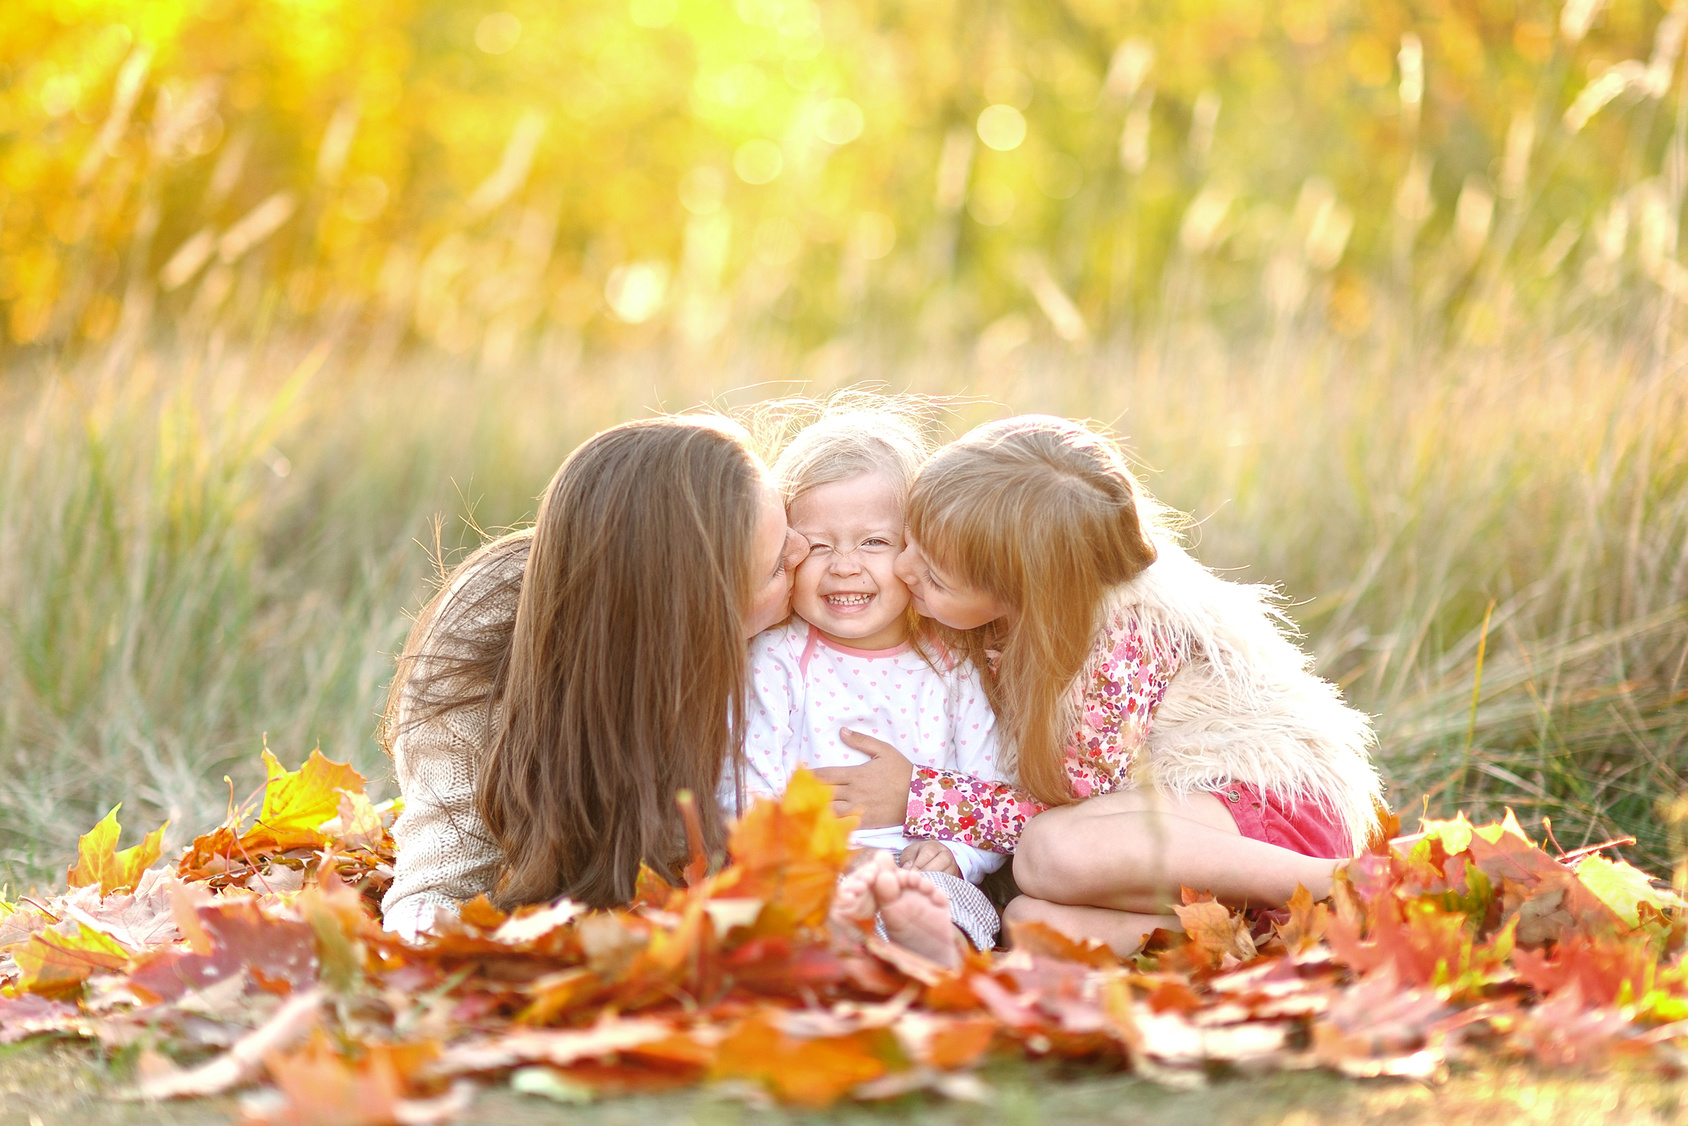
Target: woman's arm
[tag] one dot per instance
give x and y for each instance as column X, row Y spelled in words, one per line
column 445, row 855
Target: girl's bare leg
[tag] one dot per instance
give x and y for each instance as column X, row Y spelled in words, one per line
column 1123, row 931
column 1132, row 850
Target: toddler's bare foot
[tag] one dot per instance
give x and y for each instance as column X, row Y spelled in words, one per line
column 915, row 912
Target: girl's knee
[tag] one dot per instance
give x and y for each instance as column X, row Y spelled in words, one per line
column 1042, row 860
column 1024, row 909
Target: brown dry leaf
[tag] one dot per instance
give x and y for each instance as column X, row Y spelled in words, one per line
column 1216, row 932
column 99, row 864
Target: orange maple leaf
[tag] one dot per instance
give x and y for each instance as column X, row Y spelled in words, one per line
column 98, row 863
column 789, row 853
column 54, row 964
column 809, row 1072
column 321, row 1086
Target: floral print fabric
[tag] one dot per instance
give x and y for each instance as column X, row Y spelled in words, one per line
column 1117, row 703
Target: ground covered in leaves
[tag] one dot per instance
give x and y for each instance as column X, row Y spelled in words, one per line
column 255, row 968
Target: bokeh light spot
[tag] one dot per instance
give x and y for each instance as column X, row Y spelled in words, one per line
column 498, row 33
column 635, row 290
column 702, row 190
column 759, row 161
column 59, row 94
column 839, row 121
column 366, row 198
column 1002, row 127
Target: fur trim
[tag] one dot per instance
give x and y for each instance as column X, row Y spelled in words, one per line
column 1245, row 705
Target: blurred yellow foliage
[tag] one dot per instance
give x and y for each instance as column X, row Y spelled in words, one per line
column 475, row 174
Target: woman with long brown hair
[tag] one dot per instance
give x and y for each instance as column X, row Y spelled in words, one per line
column 570, row 679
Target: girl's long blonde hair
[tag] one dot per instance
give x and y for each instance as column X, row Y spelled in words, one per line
column 1041, row 514
column 620, row 680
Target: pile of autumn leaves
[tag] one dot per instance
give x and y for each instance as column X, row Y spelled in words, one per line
column 258, row 962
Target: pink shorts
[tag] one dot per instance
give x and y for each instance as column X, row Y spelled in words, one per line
column 1306, row 827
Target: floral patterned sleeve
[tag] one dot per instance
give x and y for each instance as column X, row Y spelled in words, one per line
column 948, row 806
column 1126, row 684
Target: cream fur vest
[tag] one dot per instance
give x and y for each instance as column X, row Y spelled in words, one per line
column 1244, row 705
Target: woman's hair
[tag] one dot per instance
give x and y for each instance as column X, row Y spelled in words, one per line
column 621, row 679
column 844, row 444
column 1042, row 515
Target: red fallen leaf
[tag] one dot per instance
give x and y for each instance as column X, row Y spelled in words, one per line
column 1603, row 969
column 279, row 953
column 610, row 1036
column 1378, row 1017
column 808, row 1072
column 774, row 964
column 1567, row 1031
column 1307, row 922
column 56, row 962
column 1168, row 993
column 240, row 1064
column 1423, row 944
column 99, row 864
column 32, row 1014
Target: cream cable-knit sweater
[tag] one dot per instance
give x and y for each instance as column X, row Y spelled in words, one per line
column 446, row 856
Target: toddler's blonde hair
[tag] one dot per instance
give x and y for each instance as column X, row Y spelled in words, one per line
column 1042, row 514
column 848, row 442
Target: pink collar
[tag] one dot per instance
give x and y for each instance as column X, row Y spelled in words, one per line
column 817, row 638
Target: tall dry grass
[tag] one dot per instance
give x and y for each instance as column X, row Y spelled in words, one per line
column 209, row 546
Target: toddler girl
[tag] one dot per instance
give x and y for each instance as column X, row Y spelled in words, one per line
column 853, row 658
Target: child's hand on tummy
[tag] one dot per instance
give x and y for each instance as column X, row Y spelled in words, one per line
column 930, row 856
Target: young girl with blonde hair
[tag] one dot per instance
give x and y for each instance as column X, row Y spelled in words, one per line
column 1165, row 729
column 856, row 656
